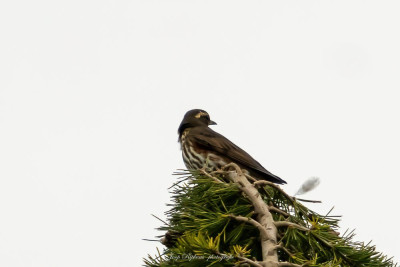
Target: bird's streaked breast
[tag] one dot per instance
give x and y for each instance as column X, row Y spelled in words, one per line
column 196, row 158
column 191, row 158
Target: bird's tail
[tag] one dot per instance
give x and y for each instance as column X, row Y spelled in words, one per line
column 274, row 179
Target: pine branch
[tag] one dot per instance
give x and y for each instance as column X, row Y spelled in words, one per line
column 264, row 217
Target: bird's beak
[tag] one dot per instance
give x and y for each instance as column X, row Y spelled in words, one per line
column 212, row 123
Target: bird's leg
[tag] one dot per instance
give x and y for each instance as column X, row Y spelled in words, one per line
column 207, row 164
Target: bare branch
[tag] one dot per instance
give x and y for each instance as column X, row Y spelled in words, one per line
column 275, row 209
column 235, row 166
column 264, row 182
column 250, row 221
column 291, row 224
column 264, row 217
column 212, row 177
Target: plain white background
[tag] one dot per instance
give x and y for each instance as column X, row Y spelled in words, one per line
column 92, row 93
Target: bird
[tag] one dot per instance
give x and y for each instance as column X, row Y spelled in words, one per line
column 202, row 147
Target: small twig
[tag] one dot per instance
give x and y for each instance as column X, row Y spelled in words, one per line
column 246, row 260
column 275, row 209
column 264, row 182
column 235, row 166
column 250, row 221
column 290, row 224
column 218, row 172
column 210, row 176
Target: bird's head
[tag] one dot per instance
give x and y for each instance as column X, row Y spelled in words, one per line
column 193, row 118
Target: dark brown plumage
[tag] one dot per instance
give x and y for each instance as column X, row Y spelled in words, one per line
column 203, row 147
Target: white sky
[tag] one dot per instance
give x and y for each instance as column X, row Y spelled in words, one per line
column 92, row 93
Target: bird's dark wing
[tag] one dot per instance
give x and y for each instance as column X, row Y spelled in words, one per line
column 213, row 141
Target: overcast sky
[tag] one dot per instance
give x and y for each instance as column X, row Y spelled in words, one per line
column 92, row 93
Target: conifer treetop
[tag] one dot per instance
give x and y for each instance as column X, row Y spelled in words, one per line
column 227, row 218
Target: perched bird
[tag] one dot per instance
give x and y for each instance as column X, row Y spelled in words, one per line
column 203, row 147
